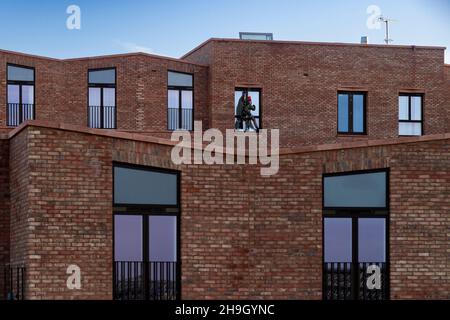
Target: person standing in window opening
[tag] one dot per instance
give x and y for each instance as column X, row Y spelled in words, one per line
column 244, row 113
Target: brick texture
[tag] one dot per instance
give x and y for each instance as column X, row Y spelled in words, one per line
column 242, row 235
column 299, row 83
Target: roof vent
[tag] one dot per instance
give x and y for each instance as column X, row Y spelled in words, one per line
column 255, row 36
column 364, row 40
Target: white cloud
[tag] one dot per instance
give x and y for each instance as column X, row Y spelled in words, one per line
column 133, row 47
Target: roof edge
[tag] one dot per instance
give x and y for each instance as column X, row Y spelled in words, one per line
column 167, row 142
column 312, row 43
column 117, row 55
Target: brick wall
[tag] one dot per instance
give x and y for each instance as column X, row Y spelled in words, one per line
column 62, row 89
column 4, row 202
column 242, row 235
column 299, row 83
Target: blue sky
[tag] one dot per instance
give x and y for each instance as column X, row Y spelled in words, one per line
column 173, row 27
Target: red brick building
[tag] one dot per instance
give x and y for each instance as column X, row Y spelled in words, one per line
column 86, row 176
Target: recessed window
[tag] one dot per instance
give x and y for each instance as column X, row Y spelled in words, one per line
column 147, row 187
column 180, row 101
column 20, row 95
column 247, row 102
column 366, row 190
column 146, row 232
column 352, row 112
column 410, row 109
column 102, row 99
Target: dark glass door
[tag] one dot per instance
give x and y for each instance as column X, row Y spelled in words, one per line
column 355, row 257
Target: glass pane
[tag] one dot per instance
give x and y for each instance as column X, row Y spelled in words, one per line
column 109, row 97
column 403, row 109
column 20, row 74
column 163, row 238
column 358, row 113
column 102, row 76
column 338, row 239
column 186, row 99
column 127, row 238
column 372, row 240
column 355, row 191
column 180, row 79
column 137, row 186
column 13, row 93
column 27, row 94
column 94, row 96
column 173, row 99
column 343, row 113
column 416, row 108
column 410, row 129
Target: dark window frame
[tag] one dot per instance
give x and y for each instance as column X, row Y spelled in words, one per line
column 101, row 86
column 410, row 95
column 355, row 214
column 145, row 211
column 20, row 83
column 350, row 95
column 260, row 91
column 180, row 90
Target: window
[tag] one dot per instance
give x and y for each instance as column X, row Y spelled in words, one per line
column 355, row 226
column 355, row 190
column 410, row 109
column 352, row 112
column 180, row 101
column 20, row 94
column 255, row 36
column 240, row 123
column 146, row 233
column 102, row 98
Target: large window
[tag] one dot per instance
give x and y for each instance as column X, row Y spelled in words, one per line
column 252, row 123
column 180, row 102
column 410, row 113
column 20, row 95
column 352, row 112
column 355, row 227
column 146, row 233
column 102, row 98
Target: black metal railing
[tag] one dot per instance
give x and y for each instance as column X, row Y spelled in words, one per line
column 146, row 280
column 173, row 119
column 345, row 281
column 239, row 124
column 102, row 117
column 12, row 282
column 18, row 113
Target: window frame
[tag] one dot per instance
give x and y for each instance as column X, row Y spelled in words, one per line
column 20, row 83
column 180, row 90
column 260, row 92
column 101, row 86
column 350, row 95
column 355, row 214
column 410, row 95
column 145, row 211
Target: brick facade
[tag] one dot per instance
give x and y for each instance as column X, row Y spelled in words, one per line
column 242, row 235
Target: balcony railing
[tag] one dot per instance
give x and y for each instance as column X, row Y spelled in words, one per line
column 18, row 113
column 102, row 117
column 345, row 281
column 12, row 282
column 173, row 119
column 146, row 280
